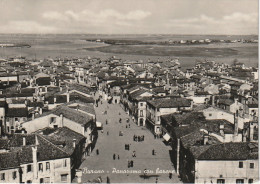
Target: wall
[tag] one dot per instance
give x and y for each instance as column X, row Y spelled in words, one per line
column 74, row 126
column 9, row 78
column 9, row 176
column 57, row 168
column 229, row 170
column 198, row 99
column 40, row 123
column 211, row 115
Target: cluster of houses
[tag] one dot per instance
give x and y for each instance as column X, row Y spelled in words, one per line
column 48, row 124
column 208, row 114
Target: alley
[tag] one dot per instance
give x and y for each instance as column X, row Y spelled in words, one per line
column 109, row 143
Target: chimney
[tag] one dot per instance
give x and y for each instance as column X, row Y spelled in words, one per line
column 150, row 87
column 74, row 143
column 251, row 131
column 54, row 99
column 68, row 97
column 205, row 139
column 61, row 120
column 236, row 101
column 24, row 141
column 40, row 111
column 213, row 100
column 236, row 123
column 23, row 131
column 35, row 169
column 26, row 102
column 127, row 81
column 221, row 130
column 33, row 116
column 60, row 88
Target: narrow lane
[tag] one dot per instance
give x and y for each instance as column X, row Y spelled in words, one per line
column 115, row 144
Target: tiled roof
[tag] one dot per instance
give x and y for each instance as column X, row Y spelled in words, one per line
column 170, row 102
column 229, row 151
column 226, row 101
column 17, row 112
column 9, row 160
column 73, row 115
column 65, row 136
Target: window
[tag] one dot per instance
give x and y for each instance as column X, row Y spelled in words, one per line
column 2, row 176
column 250, row 181
column 29, row 168
column 219, row 181
column 252, row 165
column 53, row 119
column 15, row 119
column 141, row 113
column 41, row 180
column 64, row 177
column 240, row 164
column 40, row 167
column 29, row 181
column 141, row 104
column 158, row 118
column 65, row 163
column 47, row 166
column 158, row 110
column 14, row 175
column 239, row 181
column 210, row 114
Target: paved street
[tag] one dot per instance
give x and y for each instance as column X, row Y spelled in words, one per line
column 115, row 144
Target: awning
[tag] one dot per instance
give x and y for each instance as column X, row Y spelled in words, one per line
column 99, row 124
column 166, row 137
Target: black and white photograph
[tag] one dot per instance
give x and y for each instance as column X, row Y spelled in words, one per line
column 129, row 91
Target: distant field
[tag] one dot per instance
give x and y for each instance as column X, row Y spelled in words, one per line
column 248, row 50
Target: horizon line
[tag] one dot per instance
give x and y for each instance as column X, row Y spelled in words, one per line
column 127, row 34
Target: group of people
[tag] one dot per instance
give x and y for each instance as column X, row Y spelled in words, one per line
column 114, row 157
column 138, row 138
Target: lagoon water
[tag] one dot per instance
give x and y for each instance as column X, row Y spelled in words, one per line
column 60, row 46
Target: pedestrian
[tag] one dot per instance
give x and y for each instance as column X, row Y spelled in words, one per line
column 154, row 136
column 132, row 163
column 129, row 163
column 129, row 126
column 156, row 181
column 134, row 155
column 97, row 151
column 138, row 138
column 118, row 157
column 144, row 173
column 153, row 152
column 114, row 156
column 106, row 122
column 119, row 113
column 126, row 126
column 107, row 132
column 143, row 137
column 108, row 179
column 170, row 175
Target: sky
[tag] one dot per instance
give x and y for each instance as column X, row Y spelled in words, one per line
column 228, row 17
